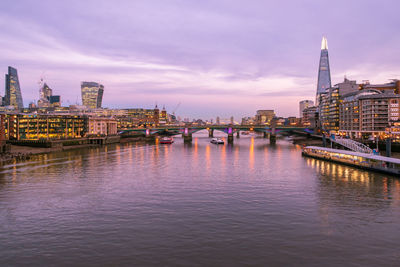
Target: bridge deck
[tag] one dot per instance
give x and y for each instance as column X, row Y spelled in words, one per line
column 224, row 128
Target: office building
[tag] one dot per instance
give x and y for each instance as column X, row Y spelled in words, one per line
column 310, row 117
column 45, row 92
column 134, row 117
column 264, row 116
column 393, row 86
column 44, row 126
column 46, row 97
column 293, row 121
column 368, row 113
column 55, row 101
column 92, row 94
column 303, row 105
column 13, row 95
column 329, row 104
column 2, row 133
column 324, row 73
column 99, row 126
column 393, row 131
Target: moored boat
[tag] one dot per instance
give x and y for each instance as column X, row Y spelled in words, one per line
column 166, row 140
column 356, row 159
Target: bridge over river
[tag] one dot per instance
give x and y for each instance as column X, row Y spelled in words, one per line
column 230, row 130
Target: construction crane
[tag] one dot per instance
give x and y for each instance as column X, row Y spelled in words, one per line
column 176, row 108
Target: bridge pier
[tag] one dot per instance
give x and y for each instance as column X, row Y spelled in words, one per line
column 230, row 135
column 238, row 134
column 272, row 137
column 187, row 136
column 210, row 133
column 187, row 139
column 388, row 147
column 230, row 138
column 149, row 137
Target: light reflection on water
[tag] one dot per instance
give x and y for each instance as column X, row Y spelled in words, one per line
column 201, row 204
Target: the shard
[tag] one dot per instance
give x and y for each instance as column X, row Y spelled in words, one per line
column 324, row 72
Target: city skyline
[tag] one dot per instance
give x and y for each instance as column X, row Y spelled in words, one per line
column 218, row 59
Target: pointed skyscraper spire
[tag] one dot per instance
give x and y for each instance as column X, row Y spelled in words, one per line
column 324, row 72
column 324, row 43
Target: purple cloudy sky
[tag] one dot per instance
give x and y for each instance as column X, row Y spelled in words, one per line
column 225, row 57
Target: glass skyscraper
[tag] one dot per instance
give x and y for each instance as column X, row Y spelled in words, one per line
column 324, row 73
column 92, row 94
column 13, row 95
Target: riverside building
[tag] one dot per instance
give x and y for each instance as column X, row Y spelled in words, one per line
column 393, row 86
column 101, row 126
column 329, row 104
column 393, row 131
column 2, row 133
column 56, row 126
column 134, row 117
column 368, row 113
column 44, row 126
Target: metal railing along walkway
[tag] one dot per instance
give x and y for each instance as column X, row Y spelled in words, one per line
column 352, row 145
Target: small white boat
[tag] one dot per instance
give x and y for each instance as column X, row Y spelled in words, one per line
column 217, row 141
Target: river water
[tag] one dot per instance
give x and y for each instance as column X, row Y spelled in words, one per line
column 196, row 205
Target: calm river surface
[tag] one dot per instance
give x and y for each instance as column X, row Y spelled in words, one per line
column 199, row 205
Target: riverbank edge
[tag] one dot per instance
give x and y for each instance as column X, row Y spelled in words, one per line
column 23, row 152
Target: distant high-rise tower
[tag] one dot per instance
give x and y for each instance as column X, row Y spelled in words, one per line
column 13, row 95
column 46, row 97
column 303, row 105
column 324, row 72
column 45, row 92
column 92, row 94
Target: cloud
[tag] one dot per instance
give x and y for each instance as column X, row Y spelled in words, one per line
column 244, row 55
